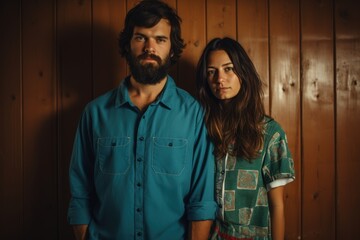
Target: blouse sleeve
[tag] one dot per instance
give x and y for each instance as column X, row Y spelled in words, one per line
column 278, row 168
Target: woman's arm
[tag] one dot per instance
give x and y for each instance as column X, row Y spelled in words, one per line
column 277, row 214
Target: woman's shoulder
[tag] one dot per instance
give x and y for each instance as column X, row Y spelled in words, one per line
column 271, row 125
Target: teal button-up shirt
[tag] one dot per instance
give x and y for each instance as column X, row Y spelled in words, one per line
column 140, row 175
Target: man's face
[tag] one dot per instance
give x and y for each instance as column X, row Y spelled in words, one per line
column 150, row 50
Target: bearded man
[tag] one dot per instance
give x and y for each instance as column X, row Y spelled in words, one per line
column 142, row 165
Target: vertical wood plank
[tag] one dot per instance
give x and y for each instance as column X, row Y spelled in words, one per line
column 221, row 18
column 39, row 114
column 253, row 34
column 347, row 25
column 173, row 71
column 285, row 95
column 194, row 35
column 318, row 120
column 75, row 87
column 11, row 177
column 108, row 66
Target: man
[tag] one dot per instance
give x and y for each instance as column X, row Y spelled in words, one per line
column 142, row 164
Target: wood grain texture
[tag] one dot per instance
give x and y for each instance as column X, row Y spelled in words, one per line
column 56, row 56
column 318, row 120
column 109, row 68
column 253, row 34
column 11, row 168
column 221, row 19
column 75, row 88
column 39, row 115
column 194, row 35
column 347, row 25
column 285, row 96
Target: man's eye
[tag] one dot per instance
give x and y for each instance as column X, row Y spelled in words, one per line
column 139, row 38
column 161, row 40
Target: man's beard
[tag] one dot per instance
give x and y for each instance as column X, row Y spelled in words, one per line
column 148, row 73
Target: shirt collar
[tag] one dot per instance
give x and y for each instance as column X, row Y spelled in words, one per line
column 166, row 97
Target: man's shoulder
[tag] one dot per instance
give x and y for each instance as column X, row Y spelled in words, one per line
column 103, row 99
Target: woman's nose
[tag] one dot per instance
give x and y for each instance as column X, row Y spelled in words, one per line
column 219, row 77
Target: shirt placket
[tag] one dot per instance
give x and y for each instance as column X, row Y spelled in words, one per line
column 139, row 178
column 220, row 186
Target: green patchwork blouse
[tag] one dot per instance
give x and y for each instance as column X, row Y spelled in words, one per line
column 242, row 186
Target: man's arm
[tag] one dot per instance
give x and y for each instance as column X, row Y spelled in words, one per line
column 80, row 231
column 277, row 214
column 199, row 230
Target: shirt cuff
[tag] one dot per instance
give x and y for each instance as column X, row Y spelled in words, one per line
column 79, row 212
column 278, row 183
column 201, row 211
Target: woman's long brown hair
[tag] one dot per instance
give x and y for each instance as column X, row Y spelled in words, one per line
column 239, row 122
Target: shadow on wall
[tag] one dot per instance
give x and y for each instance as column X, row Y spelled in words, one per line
column 88, row 65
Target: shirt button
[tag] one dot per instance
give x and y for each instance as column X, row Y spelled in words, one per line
column 222, row 172
column 139, row 234
column 138, row 209
column 141, row 138
column 138, row 184
column 139, row 159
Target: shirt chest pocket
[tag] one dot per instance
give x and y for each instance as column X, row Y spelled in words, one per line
column 114, row 155
column 169, row 155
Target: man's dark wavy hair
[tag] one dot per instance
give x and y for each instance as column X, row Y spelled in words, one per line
column 148, row 13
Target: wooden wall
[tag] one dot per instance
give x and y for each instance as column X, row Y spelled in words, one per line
column 56, row 55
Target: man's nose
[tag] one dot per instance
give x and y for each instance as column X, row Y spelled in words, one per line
column 149, row 46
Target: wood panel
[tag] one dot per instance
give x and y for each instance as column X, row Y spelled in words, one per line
column 318, row 209
column 220, row 19
column 39, row 115
column 75, row 88
column 173, row 72
column 253, row 34
column 108, row 66
column 11, row 177
column 285, row 95
column 194, row 34
column 347, row 20
column 58, row 55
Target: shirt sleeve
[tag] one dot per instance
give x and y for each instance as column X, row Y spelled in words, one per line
column 202, row 205
column 81, row 174
column 278, row 183
column 278, row 165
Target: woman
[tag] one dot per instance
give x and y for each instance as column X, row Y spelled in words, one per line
column 253, row 159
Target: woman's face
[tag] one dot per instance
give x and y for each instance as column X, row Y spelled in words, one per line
column 223, row 81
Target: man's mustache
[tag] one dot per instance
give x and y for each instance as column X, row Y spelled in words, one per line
column 151, row 56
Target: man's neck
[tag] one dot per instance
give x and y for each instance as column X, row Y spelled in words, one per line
column 142, row 95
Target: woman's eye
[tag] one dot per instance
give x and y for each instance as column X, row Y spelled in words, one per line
column 210, row 72
column 228, row 69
